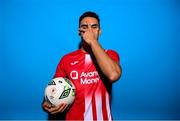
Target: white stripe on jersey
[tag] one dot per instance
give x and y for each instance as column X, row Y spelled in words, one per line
column 88, row 115
column 108, row 107
column 87, row 59
column 98, row 99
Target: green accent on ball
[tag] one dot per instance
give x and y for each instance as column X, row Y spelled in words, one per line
column 66, row 87
column 65, row 94
column 68, row 81
column 73, row 92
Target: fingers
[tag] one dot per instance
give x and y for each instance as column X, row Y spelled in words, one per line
column 46, row 106
column 58, row 109
column 81, row 31
column 54, row 109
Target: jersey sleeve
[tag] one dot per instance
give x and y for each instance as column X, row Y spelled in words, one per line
column 60, row 70
column 113, row 55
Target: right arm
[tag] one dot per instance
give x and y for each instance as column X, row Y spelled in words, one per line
column 49, row 107
column 54, row 109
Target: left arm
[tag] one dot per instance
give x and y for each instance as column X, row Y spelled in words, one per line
column 108, row 66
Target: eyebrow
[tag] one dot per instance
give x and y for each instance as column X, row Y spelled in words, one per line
column 95, row 25
column 85, row 25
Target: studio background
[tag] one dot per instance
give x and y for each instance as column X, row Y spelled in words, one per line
column 35, row 34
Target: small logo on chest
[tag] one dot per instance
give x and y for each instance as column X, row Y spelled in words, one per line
column 74, row 63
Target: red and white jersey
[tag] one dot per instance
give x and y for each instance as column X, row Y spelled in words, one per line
column 92, row 101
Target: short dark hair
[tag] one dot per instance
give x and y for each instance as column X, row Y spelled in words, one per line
column 89, row 14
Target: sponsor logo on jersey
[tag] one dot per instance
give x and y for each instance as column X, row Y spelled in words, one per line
column 86, row 77
column 74, row 75
column 89, row 77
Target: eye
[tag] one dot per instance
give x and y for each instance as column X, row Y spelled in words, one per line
column 94, row 26
column 84, row 26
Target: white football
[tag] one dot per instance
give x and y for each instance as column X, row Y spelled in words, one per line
column 60, row 90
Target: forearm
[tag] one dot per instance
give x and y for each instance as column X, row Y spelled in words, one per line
column 109, row 67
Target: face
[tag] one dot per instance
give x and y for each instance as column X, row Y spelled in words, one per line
column 90, row 23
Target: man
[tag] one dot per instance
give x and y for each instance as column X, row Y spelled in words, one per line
column 92, row 70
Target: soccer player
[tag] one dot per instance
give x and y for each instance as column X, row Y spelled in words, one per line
column 92, row 69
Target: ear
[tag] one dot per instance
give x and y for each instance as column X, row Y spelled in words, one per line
column 100, row 31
